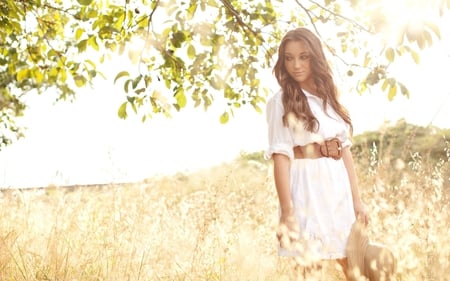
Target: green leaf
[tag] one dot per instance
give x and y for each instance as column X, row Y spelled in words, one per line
column 191, row 9
column 53, row 73
column 421, row 42
column 191, row 51
column 133, row 106
column 82, row 45
column 85, row 2
column 122, row 112
column 120, row 75
column 224, row 118
column 390, row 55
column 92, row 73
column 216, row 82
column 140, row 91
column 178, row 38
column 80, row 81
column 257, row 108
column 91, row 63
column 52, row 53
column 366, row 60
column 168, row 83
column 362, row 87
column 415, row 56
column 126, row 85
column 38, row 76
column 180, row 97
column 111, row 45
column 240, row 70
column 63, row 75
column 23, row 74
column 93, row 43
column 92, row 14
column 79, row 33
column 136, row 81
column 392, row 92
column 384, row 85
column 435, row 29
column 255, row 83
column 427, row 37
column 403, row 90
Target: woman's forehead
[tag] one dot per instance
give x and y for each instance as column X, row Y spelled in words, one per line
column 296, row 47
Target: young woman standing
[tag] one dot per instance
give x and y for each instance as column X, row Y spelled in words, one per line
column 309, row 142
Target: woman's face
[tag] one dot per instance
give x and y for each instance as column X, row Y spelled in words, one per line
column 297, row 62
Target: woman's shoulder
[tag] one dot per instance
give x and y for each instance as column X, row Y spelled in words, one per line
column 276, row 97
column 275, row 103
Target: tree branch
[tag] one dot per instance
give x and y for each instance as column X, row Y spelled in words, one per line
column 332, row 51
column 65, row 11
column 149, row 26
column 353, row 22
column 149, row 17
column 238, row 18
column 245, row 26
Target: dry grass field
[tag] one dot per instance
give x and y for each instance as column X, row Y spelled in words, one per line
column 216, row 224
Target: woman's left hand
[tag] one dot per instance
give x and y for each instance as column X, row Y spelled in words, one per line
column 361, row 212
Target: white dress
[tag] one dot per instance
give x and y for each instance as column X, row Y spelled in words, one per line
column 320, row 188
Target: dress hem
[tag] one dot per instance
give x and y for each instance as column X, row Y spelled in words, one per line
column 290, row 253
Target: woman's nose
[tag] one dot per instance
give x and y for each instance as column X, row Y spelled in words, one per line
column 297, row 63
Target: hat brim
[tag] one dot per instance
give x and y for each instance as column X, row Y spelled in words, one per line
column 380, row 262
column 356, row 248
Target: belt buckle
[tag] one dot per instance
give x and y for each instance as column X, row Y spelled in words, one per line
column 331, row 148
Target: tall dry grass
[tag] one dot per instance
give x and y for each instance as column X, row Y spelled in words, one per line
column 216, row 224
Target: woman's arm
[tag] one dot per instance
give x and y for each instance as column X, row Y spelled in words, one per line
column 281, row 168
column 358, row 206
column 288, row 227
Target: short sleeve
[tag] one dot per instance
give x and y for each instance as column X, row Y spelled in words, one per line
column 347, row 142
column 280, row 138
column 344, row 135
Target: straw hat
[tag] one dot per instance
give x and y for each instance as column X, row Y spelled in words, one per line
column 373, row 261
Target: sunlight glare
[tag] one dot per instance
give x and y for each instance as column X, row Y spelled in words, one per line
column 406, row 15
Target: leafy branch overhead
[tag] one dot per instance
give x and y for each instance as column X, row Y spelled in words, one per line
column 192, row 51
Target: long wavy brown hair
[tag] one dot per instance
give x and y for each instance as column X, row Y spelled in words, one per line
column 294, row 99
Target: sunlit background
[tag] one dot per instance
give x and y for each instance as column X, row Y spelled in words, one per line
column 85, row 142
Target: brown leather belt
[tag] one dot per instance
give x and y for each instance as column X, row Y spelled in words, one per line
column 330, row 148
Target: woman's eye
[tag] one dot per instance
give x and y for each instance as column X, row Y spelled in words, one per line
column 288, row 58
column 304, row 57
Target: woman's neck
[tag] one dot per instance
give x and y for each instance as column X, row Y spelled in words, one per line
column 312, row 89
column 309, row 85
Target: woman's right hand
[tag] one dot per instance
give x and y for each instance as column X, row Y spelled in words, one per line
column 288, row 229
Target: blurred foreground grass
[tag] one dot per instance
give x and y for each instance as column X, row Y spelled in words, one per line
column 216, row 224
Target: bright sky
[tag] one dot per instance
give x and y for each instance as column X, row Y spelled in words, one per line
column 86, row 143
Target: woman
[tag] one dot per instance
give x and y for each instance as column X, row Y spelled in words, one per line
column 309, row 141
